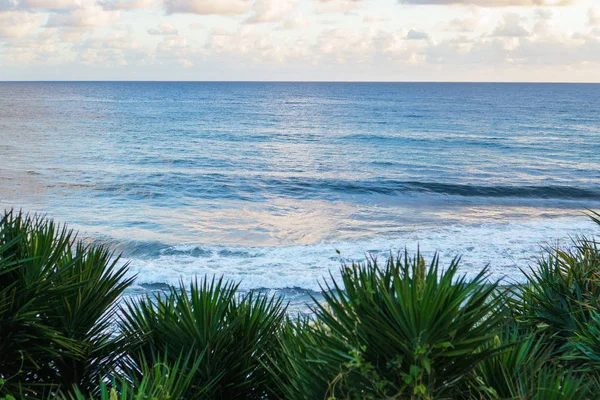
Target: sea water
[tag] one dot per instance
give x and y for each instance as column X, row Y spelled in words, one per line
column 275, row 185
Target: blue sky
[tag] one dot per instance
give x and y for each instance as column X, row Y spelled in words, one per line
column 362, row 40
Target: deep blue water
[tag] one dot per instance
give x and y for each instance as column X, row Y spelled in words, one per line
column 264, row 181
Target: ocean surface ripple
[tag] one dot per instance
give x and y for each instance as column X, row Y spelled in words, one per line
column 263, row 182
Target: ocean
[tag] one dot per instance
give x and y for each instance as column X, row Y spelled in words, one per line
column 275, row 185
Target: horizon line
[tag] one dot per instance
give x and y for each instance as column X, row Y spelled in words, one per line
column 284, row 81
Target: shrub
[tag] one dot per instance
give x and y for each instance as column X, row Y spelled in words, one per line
column 230, row 334
column 563, row 292
column 159, row 380
column 56, row 300
column 404, row 330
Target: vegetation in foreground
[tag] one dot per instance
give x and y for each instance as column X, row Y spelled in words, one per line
column 402, row 329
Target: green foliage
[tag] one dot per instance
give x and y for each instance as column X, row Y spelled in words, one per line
column 553, row 341
column 552, row 383
column 231, row 335
column 510, row 373
column 56, row 298
column 310, row 359
column 406, row 329
column 563, row 292
column 585, row 345
column 160, row 380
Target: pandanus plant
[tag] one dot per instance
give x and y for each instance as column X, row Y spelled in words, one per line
column 57, row 297
column 231, row 336
column 406, row 329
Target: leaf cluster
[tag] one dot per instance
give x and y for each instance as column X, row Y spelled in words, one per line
column 404, row 328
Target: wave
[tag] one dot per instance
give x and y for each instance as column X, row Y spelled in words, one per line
column 391, row 187
column 252, row 188
column 507, row 247
column 541, row 192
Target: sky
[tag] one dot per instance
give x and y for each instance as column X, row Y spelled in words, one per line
column 301, row 40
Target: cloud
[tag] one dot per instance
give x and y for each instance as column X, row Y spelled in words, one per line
column 47, row 4
column 249, row 44
column 543, row 23
column 15, row 24
column 163, row 29
column 416, row 35
column 6, row 5
column 491, row 3
column 176, row 49
column 86, row 17
column 336, row 6
column 208, row 7
column 119, row 40
column 90, row 32
column 116, row 49
column 127, row 5
column 375, row 18
column 511, row 27
column 271, row 10
column 593, row 16
column 298, row 21
column 541, row 51
column 472, row 20
column 37, row 50
column 342, row 45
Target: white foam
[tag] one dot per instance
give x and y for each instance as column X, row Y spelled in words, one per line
column 506, row 247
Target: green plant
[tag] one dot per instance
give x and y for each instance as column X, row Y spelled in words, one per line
column 56, row 300
column 522, row 356
column 562, row 293
column 552, row 383
column 309, row 360
column 406, row 329
column 231, row 334
column 162, row 380
column 585, row 345
column 400, row 330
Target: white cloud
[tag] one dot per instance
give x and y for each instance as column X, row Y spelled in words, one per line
column 163, row 29
column 544, row 24
column 375, row 18
column 469, row 22
column 336, row 6
column 416, row 35
column 343, row 45
column 6, row 5
column 298, row 21
column 16, row 24
column 492, row 3
column 176, row 49
column 127, row 4
column 251, row 44
column 31, row 47
column 86, row 17
column 48, row 4
column 271, row 10
column 593, row 15
column 116, row 49
column 208, row 7
column 358, row 39
column 511, row 26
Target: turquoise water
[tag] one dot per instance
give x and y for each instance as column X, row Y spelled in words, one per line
column 263, row 182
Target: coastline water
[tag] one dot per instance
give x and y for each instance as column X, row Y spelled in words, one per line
column 265, row 182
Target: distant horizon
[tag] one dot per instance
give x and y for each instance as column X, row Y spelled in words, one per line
column 299, row 81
